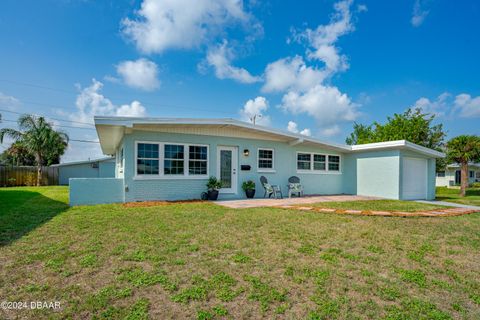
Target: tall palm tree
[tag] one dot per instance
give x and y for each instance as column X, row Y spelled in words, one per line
column 39, row 138
column 462, row 150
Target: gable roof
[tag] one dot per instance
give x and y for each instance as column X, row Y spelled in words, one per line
column 111, row 130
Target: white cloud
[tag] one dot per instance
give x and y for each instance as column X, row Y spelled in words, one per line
column 330, row 131
column 291, row 73
column 419, row 13
column 362, row 8
column 438, row 107
column 140, row 74
column 467, row 106
column 322, row 39
column 293, row 128
column 256, row 107
column 8, row 102
column 91, row 102
column 326, row 104
column 181, row 24
column 220, row 58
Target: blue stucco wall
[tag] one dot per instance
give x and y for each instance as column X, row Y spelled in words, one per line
column 375, row 174
column 171, row 189
column 86, row 191
column 106, row 169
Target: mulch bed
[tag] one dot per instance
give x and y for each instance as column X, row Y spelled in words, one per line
column 429, row 213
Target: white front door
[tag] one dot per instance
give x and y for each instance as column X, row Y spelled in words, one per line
column 227, row 163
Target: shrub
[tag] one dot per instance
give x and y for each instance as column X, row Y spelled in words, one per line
column 248, row 185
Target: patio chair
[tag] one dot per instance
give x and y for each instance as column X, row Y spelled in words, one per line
column 270, row 189
column 294, row 186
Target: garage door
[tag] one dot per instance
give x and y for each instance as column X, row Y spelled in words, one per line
column 414, row 182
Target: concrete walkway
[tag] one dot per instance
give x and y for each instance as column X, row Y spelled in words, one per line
column 260, row 202
column 450, row 204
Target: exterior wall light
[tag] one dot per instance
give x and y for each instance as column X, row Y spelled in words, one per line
column 246, row 152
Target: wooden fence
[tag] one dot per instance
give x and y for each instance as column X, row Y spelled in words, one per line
column 11, row 176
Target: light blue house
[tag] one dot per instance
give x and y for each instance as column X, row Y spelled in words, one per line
column 171, row 159
column 96, row 168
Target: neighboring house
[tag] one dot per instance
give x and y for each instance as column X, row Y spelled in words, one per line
column 97, row 168
column 451, row 176
column 171, row 159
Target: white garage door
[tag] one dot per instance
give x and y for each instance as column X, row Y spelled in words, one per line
column 414, row 179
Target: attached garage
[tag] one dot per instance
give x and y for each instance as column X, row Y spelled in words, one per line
column 414, row 178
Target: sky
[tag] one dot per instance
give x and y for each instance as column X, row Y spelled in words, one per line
column 309, row 67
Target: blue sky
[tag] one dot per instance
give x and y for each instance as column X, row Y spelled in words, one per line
column 313, row 67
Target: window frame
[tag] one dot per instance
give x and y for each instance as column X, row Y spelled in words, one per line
column 272, row 169
column 471, row 174
column 161, row 157
column 312, row 170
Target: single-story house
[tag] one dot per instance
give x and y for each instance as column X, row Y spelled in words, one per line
column 96, row 168
column 171, row 159
column 451, row 176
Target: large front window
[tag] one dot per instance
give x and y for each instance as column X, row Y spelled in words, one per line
column 147, row 158
column 171, row 160
column 317, row 163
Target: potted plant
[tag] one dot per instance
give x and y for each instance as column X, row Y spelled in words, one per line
column 213, row 185
column 249, row 188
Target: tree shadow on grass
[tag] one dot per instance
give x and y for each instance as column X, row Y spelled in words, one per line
column 21, row 211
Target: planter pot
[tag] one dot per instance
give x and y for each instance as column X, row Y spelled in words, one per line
column 212, row 195
column 250, row 193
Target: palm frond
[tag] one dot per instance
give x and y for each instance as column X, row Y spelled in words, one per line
column 12, row 133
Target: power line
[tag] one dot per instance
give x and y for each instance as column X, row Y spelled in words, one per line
column 153, row 104
column 87, row 141
column 56, row 125
column 50, row 118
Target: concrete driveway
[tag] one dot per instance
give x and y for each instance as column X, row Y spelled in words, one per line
column 254, row 203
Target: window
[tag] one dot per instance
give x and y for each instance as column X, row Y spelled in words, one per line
column 319, row 162
column 441, row 174
column 265, row 159
column 472, row 174
column 478, row 174
column 314, row 162
column 147, row 158
column 333, row 163
column 303, row 161
column 170, row 160
column 174, row 156
column 197, row 160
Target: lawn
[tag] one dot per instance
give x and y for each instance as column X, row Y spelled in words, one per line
column 200, row 260
column 451, row 195
column 379, row 205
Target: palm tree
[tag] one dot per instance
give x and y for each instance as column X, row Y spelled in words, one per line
column 39, row 138
column 462, row 150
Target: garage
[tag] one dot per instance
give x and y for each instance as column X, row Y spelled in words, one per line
column 414, row 179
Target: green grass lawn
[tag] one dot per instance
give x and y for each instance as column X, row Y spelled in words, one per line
column 451, row 195
column 200, row 260
column 380, row 205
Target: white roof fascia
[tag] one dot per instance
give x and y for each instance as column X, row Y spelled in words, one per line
column 398, row 144
column 82, row 162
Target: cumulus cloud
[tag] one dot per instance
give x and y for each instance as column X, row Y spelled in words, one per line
column 180, row 24
column 91, row 102
column 419, row 13
column 8, row 102
column 462, row 105
column 467, row 106
column 322, row 40
column 256, row 107
column 293, row 127
column 220, row 58
column 326, row 104
column 438, row 107
column 140, row 74
column 291, row 73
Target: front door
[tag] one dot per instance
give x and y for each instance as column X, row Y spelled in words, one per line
column 458, row 177
column 227, row 160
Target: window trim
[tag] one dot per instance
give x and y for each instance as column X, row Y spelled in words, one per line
column 161, row 157
column 273, row 160
column 471, row 174
column 311, row 170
